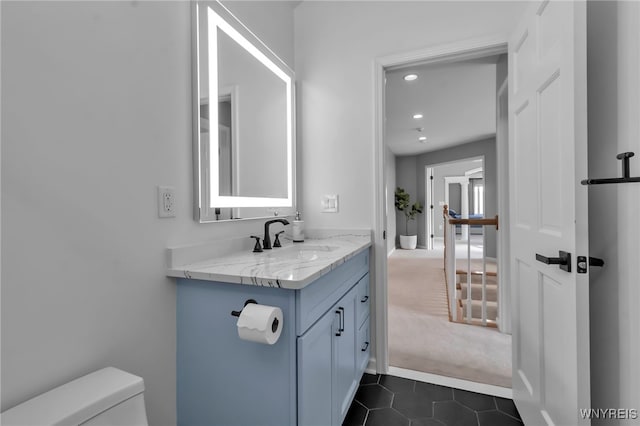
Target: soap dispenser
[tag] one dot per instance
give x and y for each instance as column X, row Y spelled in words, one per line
column 298, row 229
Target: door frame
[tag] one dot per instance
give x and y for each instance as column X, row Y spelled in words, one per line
column 430, row 220
column 460, row 50
column 502, row 160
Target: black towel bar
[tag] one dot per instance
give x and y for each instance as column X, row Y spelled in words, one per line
column 624, row 157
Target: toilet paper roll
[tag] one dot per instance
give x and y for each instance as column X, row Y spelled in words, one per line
column 260, row 323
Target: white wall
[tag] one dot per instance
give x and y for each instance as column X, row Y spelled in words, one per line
column 406, row 178
column 96, row 113
column 336, row 45
column 614, row 231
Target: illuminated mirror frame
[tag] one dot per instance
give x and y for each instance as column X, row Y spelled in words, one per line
column 218, row 17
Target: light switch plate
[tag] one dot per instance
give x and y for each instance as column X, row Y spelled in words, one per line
column 329, row 203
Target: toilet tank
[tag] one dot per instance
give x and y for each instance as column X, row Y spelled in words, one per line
column 107, row 397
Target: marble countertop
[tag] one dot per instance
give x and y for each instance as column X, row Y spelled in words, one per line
column 292, row 266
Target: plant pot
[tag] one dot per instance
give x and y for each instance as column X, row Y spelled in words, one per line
column 408, row 242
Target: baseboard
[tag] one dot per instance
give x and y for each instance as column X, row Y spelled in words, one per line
column 391, row 251
column 452, row 382
column 371, row 367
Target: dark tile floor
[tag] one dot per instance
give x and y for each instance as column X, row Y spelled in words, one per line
column 383, row 400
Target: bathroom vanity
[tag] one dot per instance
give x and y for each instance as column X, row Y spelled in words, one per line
column 310, row 375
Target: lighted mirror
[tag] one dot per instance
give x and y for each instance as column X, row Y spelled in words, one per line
column 243, row 121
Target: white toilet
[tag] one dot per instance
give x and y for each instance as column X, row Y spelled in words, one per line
column 107, row 397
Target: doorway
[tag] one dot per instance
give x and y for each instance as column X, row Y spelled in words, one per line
column 459, row 185
column 458, row 52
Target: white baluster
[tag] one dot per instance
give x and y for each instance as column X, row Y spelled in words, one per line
column 469, row 310
column 484, row 280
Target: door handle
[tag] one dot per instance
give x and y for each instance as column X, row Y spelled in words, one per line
column 563, row 260
column 583, row 264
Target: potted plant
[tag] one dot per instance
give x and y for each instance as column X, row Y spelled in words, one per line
column 403, row 203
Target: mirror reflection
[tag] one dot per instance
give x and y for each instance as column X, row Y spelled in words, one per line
column 245, row 166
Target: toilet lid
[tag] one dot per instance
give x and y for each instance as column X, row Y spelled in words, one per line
column 77, row 401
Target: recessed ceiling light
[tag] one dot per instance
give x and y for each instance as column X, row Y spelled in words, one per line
column 410, row 77
column 422, row 138
column 417, row 116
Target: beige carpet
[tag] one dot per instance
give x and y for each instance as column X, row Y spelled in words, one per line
column 421, row 337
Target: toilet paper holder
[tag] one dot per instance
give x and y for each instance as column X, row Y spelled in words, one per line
column 274, row 325
column 237, row 313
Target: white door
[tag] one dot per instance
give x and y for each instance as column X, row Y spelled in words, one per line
column 548, row 207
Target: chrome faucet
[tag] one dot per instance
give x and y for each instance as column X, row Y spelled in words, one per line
column 267, row 239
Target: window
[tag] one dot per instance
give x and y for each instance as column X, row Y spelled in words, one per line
column 478, row 198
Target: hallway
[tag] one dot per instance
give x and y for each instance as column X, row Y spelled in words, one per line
column 421, row 337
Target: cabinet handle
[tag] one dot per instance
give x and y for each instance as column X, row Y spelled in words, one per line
column 365, row 347
column 340, row 312
column 341, row 309
column 364, row 299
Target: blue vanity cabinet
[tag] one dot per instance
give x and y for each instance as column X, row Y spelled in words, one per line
column 222, row 379
column 308, row 377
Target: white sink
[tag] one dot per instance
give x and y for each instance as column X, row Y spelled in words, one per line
column 314, row 248
column 299, row 251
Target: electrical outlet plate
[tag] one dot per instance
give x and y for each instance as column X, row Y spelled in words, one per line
column 166, row 201
column 330, row 203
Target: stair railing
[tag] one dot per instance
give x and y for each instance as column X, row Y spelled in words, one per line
column 451, row 269
column 450, row 264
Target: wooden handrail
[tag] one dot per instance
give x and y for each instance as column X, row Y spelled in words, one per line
column 483, row 222
column 488, row 273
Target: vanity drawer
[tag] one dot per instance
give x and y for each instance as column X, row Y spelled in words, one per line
column 363, row 348
column 363, row 300
column 315, row 299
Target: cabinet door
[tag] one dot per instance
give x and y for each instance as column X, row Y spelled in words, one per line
column 345, row 356
column 316, row 350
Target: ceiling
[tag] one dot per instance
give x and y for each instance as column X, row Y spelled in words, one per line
column 457, row 100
